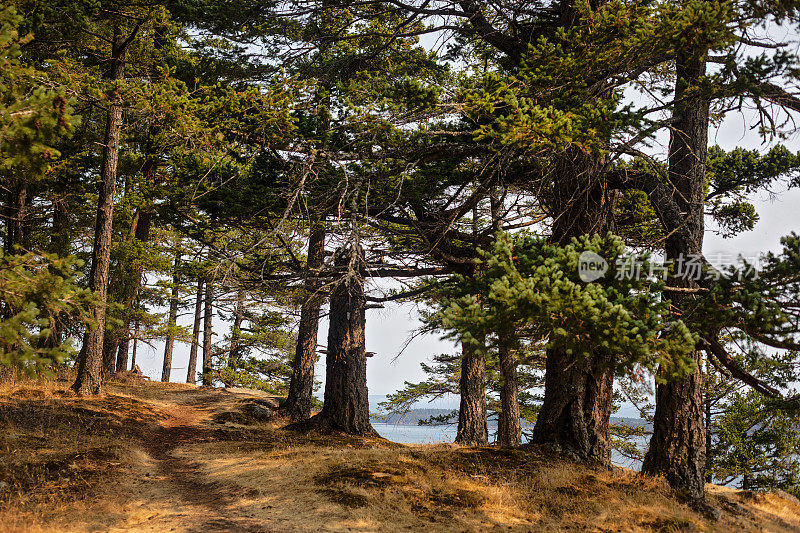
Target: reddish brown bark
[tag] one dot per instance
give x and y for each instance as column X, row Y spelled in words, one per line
column 472, row 428
column 678, row 445
column 90, row 376
column 301, row 387
column 509, row 429
column 577, row 406
column 346, row 404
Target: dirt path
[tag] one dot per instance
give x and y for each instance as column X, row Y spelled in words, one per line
column 168, row 492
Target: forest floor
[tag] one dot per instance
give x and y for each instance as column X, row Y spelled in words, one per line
column 168, row 457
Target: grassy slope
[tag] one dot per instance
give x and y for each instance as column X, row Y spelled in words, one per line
column 148, row 457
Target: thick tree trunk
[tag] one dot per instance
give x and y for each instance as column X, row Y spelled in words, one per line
column 577, row 407
column 90, row 372
column 575, row 413
column 169, row 344
column 208, row 316
column 346, row 404
column 509, row 430
column 472, row 428
column 122, row 354
column 301, row 387
column 191, row 371
column 678, row 446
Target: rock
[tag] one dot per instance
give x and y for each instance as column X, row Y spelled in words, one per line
column 247, row 413
column 708, row 511
column 258, row 412
column 4, row 486
column 269, row 403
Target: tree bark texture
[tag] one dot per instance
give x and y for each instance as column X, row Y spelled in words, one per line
column 346, row 404
column 575, row 413
column 208, row 304
column 191, row 371
column 678, row 448
column 472, row 428
column 90, row 376
column 509, row 430
column 577, row 407
column 301, row 387
column 169, row 344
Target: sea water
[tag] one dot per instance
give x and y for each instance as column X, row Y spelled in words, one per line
column 407, row 434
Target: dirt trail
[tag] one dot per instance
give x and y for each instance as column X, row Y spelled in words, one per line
column 170, row 490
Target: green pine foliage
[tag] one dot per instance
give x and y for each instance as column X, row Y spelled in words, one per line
column 754, row 439
column 33, row 116
column 527, row 287
column 38, row 294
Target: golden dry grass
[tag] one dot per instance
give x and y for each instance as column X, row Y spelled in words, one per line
column 147, row 457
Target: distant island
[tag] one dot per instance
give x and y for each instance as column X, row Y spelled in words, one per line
column 413, row 417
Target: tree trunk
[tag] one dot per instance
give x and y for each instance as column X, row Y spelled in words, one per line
column 132, row 274
column 236, row 331
column 575, row 413
column 207, row 333
column 509, row 430
column 135, row 344
column 191, row 371
column 59, row 238
column 122, row 354
column 707, row 404
column 472, row 428
column 17, row 223
column 90, row 376
column 577, row 406
column 169, row 345
column 678, row 447
column 346, row 406
column 111, row 346
column 301, row 386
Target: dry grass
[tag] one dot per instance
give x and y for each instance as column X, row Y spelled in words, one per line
column 147, row 457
